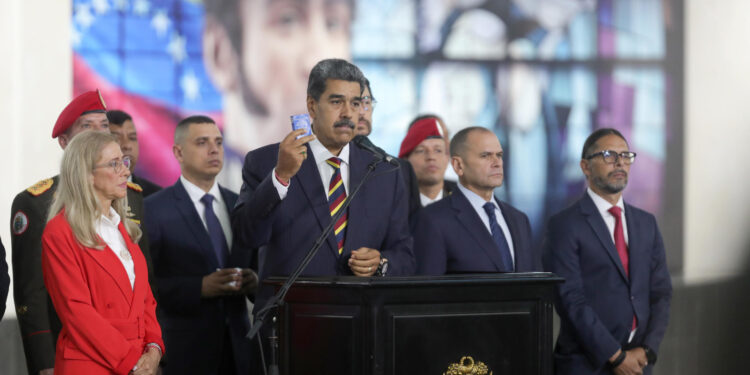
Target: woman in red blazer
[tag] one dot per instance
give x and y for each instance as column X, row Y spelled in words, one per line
column 93, row 269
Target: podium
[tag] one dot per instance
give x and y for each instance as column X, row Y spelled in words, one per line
column 495, row 323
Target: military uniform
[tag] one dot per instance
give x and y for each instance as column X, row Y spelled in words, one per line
column 36, row 316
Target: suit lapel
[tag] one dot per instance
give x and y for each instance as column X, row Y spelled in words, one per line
column 521, row 258
column 109, row 261
column 140, row 269
column 309, row 181
column 470, row 220
column 635, row 259
column 595, row 220
column 195, row 225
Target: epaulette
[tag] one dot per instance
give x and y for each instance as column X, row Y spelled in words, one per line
column 40, row 187
column 134, row 186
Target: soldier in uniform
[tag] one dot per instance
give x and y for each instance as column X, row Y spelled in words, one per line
column 121, row 125
column 36, row 316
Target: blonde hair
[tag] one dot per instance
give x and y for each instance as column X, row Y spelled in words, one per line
column 76, row 192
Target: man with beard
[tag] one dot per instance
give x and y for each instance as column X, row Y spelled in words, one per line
column 614, row 303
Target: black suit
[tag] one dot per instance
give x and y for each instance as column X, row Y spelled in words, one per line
column 4, row 280
column 451, row 238
column 194, row 327
column 412, row 189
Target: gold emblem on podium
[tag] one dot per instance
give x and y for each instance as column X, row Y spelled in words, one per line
column 467, row 366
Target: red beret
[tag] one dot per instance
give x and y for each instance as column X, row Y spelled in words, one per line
column 91, row 101
column 421, row 130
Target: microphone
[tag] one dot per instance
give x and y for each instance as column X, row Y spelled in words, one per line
column 364, row 143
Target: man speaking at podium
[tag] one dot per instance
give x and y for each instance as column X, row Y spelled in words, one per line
column 292, row 189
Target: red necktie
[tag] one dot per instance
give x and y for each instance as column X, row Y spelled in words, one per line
column 622, row 247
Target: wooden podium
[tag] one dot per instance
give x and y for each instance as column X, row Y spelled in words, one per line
column 418, row 325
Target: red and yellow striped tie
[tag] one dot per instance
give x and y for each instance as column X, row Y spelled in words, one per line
column 336, row 197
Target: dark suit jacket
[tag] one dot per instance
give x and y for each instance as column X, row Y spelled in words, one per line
column 183, row 254
column 412, row 190
column 4, row 280
column 597, row 301
column 148, row 186
column 451, row 238
column 287, row 228
column 449, row 187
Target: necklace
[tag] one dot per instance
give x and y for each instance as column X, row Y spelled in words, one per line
column 124, row 254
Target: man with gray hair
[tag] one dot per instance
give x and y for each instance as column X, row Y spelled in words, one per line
column 292, row 189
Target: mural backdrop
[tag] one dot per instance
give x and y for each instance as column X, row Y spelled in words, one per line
column 541, row 73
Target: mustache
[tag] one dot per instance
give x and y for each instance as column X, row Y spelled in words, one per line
column 618, row 171
column 348, row 123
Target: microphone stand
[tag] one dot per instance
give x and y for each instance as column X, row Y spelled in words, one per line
column 278, row 299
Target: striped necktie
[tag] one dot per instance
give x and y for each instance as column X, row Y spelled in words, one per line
column 336, row 197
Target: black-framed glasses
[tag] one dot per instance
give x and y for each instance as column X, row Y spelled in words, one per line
column 116, row 164
column 368, row 103
column 611, row 157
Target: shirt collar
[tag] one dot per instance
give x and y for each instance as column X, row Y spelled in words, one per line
column 113, row 220
column 474, row 199
column 601, row 204
column 322, row 154
column 195, row 193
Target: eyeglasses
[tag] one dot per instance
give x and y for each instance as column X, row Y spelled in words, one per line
column 368, row 103
column 611, row 157
column 116, row 165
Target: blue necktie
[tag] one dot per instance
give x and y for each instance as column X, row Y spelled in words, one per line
column 218, row 240
column 499, row 237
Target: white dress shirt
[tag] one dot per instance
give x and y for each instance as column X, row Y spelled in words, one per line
column 320, row 154
column 220, row 208
column 425, row 200
column 603, row 207
column 106, row 228
column 478, row 203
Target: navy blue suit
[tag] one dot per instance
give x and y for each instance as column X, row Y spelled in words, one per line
column 4, row 280
column 287, row 229
column 597, row 301
column 451, row 238
column 183, row 254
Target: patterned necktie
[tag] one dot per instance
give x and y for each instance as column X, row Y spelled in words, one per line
column 218, row 240
column 336, row 197
column 499, row 237
column 622, row 247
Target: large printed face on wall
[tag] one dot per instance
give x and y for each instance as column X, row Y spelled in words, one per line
column 541, row 75
column 264, row 78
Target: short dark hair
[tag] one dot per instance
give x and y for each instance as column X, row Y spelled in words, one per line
column 458, row 143
column 184, row 124
column 118, row 117
column 367, row 84
column 332, row 69
column 595, row 136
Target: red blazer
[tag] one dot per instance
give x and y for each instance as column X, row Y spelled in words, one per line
column 106, row 324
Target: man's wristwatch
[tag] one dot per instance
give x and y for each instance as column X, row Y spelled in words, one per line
column 382, row 267
column 650, row 354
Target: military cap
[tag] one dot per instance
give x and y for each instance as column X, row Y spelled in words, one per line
column 421, row 130
column 88, row 102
